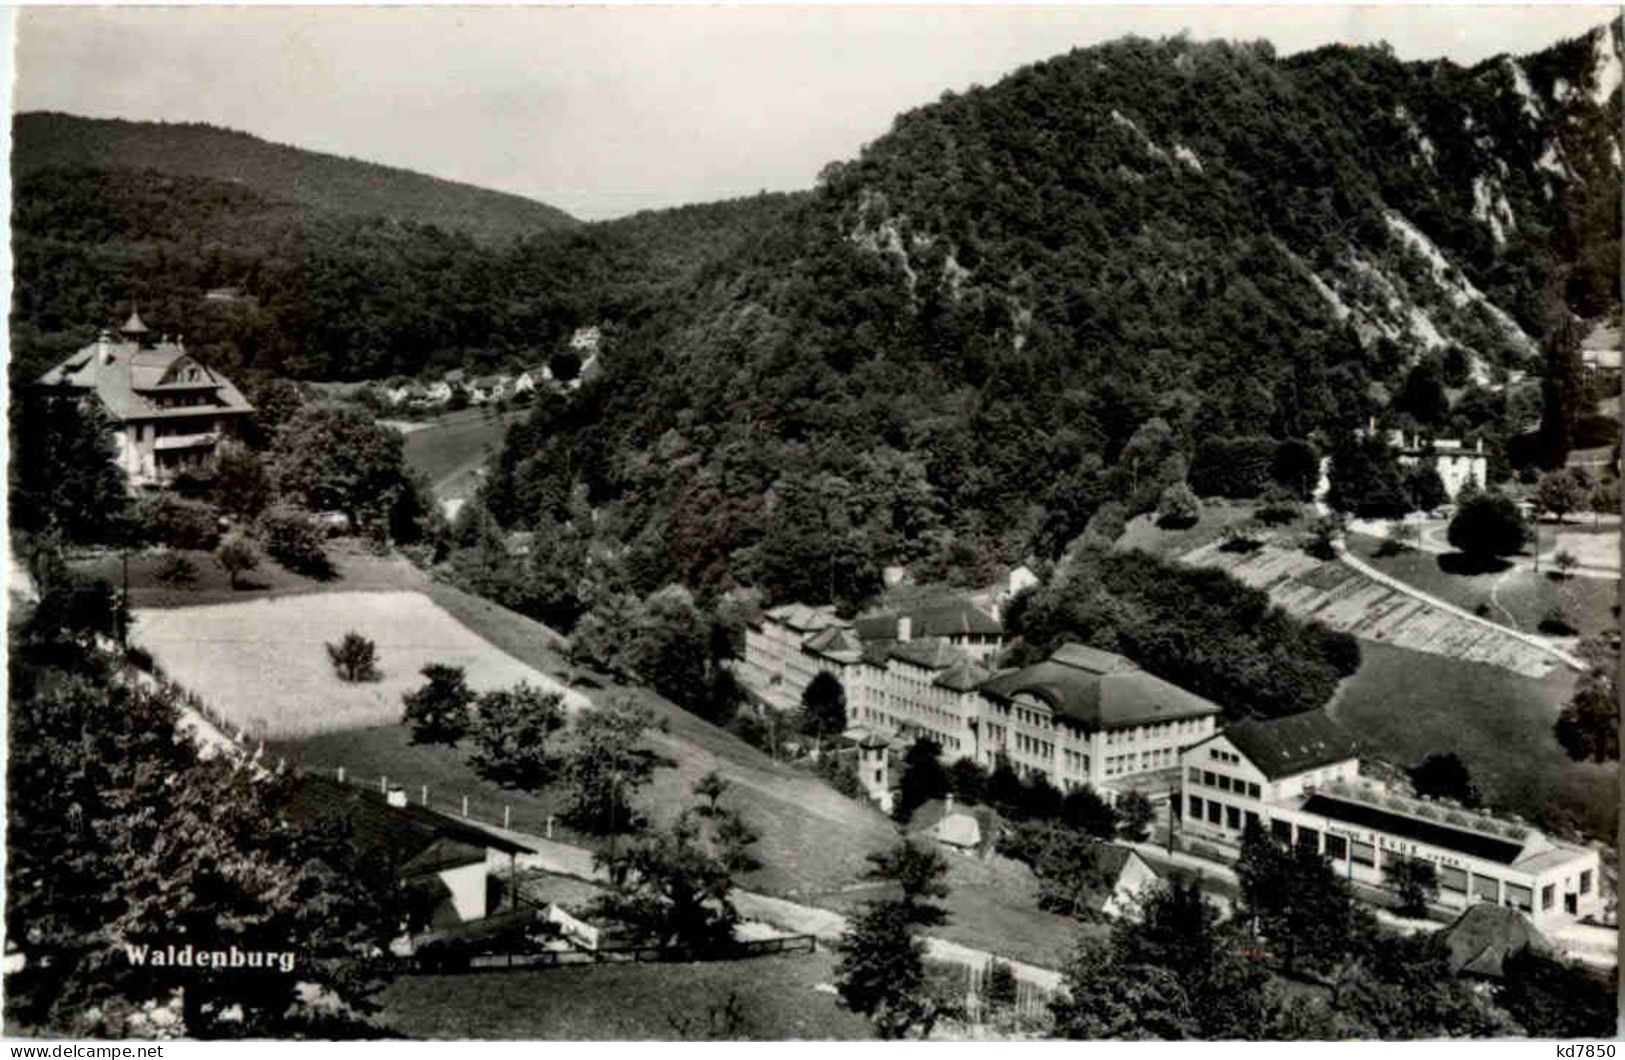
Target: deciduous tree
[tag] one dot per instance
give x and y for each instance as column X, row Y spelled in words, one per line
column 438, row 711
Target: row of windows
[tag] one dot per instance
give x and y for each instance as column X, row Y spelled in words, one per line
column 1224, row 756
column 1075, row 762
column 1451, row 878
column 1158, row 731
column 1217, row 813
column 1210, row 779
column 1027, row 745
column 1156, row 758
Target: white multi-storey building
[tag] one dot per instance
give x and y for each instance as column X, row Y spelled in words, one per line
column 1086, row 717
column 1299, row 778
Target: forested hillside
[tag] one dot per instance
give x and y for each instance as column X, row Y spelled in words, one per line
column 1028, row 306
column 1034, row 298
column 324, row 294
column 318, row 182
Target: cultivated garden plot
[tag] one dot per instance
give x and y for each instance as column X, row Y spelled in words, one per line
column 1344, row 599
column 263, row 663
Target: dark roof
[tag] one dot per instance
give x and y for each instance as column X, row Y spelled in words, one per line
column 835, row 640
column 1475, row 844
column 1485, row 935
column 963, row 676
column 1099, row 689
column 413, row 839
column 941, row 617
column 932, row 654
column 1281, row 747
column 123, row 374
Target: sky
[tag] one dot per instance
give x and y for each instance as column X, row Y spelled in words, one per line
column 603, row 111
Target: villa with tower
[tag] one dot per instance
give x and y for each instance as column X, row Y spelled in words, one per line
column 168, row 410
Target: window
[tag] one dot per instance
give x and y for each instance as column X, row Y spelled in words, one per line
column 1452, row 879
column 1281, row 830
column 1252, row 820
column 1194, row 775
column 1548, row 895
column 1207, row 778
column 1308, row 838
column 1232, row 818
column 1337, row 848
column 1252, row 791
column 1484, row 887
column 1212, row 812
column 1585, row 882
column 1362, row 853
column 1520, row 897
column 1224, row 782
column 1196, row 808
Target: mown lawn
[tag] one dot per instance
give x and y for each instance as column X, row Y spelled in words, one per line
column 1518, row 599
column 1144, row 534
column 446, row 450
column 776, row 998
column 1402, row 705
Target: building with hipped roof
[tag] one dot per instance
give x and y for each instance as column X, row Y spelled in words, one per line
column 1082, row 717
column 169, row 411
column 1299, row 779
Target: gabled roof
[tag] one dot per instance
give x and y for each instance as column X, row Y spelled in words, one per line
column 124, row 376
column 941, row 617
column 1099, row 690
column 1485, row 935
column 1281, row 747
column 803, row 618
column 837, row 642
column 963, row 676
column 932, row 654
column 412, row 839
column 134, row 326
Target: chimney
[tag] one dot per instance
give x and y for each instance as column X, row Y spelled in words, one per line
column 397, row 797
column 905, row 628
column 104, row 352
column 948, row 804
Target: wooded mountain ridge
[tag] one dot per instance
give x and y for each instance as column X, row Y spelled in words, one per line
column 313, row 180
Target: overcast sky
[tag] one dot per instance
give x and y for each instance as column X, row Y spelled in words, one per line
column 604, row 111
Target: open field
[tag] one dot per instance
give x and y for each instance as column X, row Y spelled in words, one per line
column 640, row 1002
column 1144, row 534
column 992, row 905
column 1402, row 705
column 262, row 663
column 448, row 450
column 1341, row 598
column 1515, row 597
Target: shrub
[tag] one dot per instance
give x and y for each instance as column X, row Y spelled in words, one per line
column 1342, row 650
column 1556, row 624
column 355, row 658
column 1178, row 507
column 180, row 523
column 292, row 539
column 1278, row 505
column 236, row 556
column 176, row 569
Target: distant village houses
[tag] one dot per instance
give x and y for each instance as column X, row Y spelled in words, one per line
column 169, row 411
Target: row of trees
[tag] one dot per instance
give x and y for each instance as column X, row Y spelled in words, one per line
column 518, row 738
